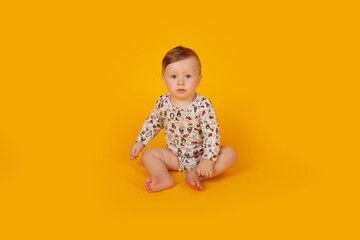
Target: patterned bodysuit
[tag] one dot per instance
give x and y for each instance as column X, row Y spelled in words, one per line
column 192, row 132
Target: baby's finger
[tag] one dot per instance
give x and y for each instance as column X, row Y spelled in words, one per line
column 137, row 151
column 132, row 156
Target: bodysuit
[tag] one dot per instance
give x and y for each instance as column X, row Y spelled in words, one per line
column 192, row 132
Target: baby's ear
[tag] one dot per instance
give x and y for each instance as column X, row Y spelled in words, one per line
column 199, row 80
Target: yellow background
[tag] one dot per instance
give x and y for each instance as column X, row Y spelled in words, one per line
column 78, row 79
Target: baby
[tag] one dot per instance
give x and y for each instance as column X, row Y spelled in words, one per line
column 191, row 128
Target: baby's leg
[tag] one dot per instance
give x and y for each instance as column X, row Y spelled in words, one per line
column 157, row 162
column 227, row 157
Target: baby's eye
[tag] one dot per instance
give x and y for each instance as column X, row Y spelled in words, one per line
column 188, row 76
column 173, row 76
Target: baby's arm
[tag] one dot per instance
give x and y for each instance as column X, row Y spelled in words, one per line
column 153, row 124
column 210, row 130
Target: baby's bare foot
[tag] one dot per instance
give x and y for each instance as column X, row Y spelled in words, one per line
column 193, row 180
column 158, row 183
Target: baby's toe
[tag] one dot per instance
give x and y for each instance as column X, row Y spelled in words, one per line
column 148, row 180
column 148, row 188
column 198, row 185
column 193, row 183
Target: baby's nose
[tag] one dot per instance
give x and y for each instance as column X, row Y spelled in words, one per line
column 180, row 80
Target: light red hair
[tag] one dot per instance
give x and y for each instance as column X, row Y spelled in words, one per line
column 179, row 53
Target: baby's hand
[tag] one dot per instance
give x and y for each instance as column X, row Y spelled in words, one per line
column 135, row 150
column 205, row 168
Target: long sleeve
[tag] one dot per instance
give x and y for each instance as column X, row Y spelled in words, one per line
column 210, row 130
column 153, row 124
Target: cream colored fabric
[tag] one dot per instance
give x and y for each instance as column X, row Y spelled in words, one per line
column 191, row 131
column 187, row 164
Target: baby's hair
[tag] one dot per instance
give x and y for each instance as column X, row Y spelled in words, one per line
column 179, row 53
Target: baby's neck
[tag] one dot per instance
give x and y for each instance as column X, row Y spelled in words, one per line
column 181, row 103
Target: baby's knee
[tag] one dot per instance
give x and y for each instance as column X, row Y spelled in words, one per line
column 148, row 154
column 232, row 154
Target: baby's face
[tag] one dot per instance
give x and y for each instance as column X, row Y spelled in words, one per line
column 182, row 78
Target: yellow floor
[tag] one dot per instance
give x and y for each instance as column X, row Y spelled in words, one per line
column 78, row 81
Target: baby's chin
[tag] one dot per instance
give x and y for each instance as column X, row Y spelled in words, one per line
column 183, row 95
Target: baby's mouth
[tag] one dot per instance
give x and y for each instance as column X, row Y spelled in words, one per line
column 180, row 90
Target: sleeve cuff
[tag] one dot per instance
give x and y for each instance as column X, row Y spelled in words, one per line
column 212, row 157
column 143, row 140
